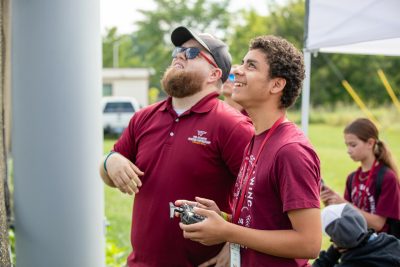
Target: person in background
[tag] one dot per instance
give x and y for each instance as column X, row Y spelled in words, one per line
column 374, row 187
column 188, row 145
column 353, row 245
column 227, row 89
column 276, row 216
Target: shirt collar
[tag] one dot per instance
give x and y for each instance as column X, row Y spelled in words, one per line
column 204, row 105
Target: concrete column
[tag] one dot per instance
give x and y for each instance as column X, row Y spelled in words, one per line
column 57, row 132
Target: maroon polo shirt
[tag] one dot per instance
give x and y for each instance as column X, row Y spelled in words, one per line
column 196, row 154
column 286, row 177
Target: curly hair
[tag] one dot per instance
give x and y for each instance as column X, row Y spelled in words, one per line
column 285, row 61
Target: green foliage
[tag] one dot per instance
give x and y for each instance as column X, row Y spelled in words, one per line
column 11, row 236
column 153, row 95
column 328, row 70
column 122, row 46
column 115, row 256
column 108, row 42
column 150, row 46
column 108, row 144
column 248, row 27
column 118, row 209
column 286, row 21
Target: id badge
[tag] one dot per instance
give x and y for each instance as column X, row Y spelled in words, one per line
column 235, row 255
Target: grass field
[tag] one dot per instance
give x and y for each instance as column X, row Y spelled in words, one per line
column 326, row 135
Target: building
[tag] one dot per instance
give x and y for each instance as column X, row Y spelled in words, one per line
column 132, row 82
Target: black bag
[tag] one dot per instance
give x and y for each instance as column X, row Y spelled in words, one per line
column 394, row 225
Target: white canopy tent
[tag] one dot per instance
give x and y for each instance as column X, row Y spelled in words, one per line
column 369, row 27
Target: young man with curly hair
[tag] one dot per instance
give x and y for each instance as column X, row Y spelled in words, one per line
column 276, row 216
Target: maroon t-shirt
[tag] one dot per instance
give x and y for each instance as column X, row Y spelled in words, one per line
column 389, row 199
column 196, row 154
column 286, row 177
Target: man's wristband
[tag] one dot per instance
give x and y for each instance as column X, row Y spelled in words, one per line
column 105, row 160
column 225, row 216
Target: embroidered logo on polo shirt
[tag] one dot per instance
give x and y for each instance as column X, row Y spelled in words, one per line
column 200, row 138
column 201, row 133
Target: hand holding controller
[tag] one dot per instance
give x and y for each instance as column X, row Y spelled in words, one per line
column 188, row 216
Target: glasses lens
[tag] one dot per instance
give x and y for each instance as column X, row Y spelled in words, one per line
column 231, row 77
column 192, row 52
column 177, row 50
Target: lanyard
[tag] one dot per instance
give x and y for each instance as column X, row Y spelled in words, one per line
column 244, row 182
column 367, row 184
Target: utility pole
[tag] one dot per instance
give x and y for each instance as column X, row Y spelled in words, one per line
column 116, row 46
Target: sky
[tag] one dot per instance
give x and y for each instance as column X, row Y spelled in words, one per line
column 123, row 14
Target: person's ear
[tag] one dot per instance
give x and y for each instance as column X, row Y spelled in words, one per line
column 215, row 75
column 371, row 142
column 278, row 84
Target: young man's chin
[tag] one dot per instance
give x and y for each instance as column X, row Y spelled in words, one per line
column 238, row 99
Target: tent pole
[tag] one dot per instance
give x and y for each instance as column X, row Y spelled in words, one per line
column 305, row 97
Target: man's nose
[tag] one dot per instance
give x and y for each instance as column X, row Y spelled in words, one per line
column 238, row 70
column 181, row 55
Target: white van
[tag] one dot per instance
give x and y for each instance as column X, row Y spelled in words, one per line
column 117, row 112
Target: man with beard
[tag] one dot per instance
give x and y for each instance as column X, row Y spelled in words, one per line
column 188, row 145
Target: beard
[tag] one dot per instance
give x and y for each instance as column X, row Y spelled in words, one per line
column 180, row 83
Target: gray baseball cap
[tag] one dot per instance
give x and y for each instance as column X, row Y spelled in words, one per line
column 217, row 48
column 345, row 225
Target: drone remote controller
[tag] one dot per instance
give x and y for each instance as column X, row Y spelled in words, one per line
column 186, row 213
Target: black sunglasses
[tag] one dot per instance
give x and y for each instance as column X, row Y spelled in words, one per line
column 191, row 53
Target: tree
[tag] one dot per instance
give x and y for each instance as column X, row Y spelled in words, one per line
column 120, row 46
column 250, row 25
column 108, row 41
column 328, row 70
column 283, row 20
column 287, row 20
column 151, row 43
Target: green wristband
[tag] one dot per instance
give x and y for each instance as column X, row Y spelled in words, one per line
column 105, row 161
column 225, row 216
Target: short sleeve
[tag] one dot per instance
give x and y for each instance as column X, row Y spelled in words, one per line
column 298, row 174
column 389, row 200
column 126, row 144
